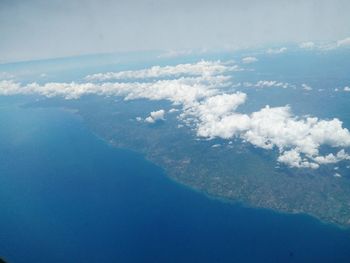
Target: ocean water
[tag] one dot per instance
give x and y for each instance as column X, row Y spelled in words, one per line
column 67, row 196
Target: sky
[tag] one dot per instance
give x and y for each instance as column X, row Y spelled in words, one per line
column 40, row 29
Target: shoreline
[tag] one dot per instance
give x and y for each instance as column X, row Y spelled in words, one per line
column 111, row 143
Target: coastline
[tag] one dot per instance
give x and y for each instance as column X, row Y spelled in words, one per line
column 240, row 203
column 206, row 192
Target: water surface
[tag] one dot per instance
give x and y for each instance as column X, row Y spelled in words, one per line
column 67, row 196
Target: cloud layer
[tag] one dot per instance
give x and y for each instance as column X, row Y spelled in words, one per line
column 199, row 89
column 202, row 68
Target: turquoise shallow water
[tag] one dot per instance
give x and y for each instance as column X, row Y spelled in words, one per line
column 67, row 196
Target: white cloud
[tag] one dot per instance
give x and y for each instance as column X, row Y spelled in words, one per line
column 201, row 68
column 306, row 87
column 173, row 110
column 276, row 50
column 212, row 115
column 155, row 116
column 293, row 159
column 180, row 91
column 343, row 42
column 331, row 158
column 271, row 128
column 213, row 112
column 347, row 88
column 267, row 84
column 249, row 60
column 307, row 45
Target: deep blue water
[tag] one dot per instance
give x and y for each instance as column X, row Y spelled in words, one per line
column 66, row 196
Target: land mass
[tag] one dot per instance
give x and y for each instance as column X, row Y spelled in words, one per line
column 229, row 170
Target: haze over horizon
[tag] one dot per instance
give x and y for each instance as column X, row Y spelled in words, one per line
column 40, row 29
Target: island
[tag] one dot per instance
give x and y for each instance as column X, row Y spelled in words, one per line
column 232, row 171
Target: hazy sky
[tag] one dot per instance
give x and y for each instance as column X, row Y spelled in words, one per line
column 53, row 28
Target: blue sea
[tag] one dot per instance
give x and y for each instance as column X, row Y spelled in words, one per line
column 67, row 196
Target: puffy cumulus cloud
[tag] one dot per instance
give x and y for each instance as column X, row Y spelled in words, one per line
column 173, row 110
column 276, row 50
column 347, row 89
column 306, row 87
column 214, row 113
column 266, row 84
column 271, row 83
column 205, row 79
column 332, row 158
column 277, row 127
column 180, row 91
column 200, row 68
column 297, row 139
column 293, row 159
column 307, row 45
column 211, row 115
column 9, row 87
column 155, row 116
column 67, row 90
column 249, row 60
column 227, row 127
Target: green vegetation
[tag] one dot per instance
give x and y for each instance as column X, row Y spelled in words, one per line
column 233, row 171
